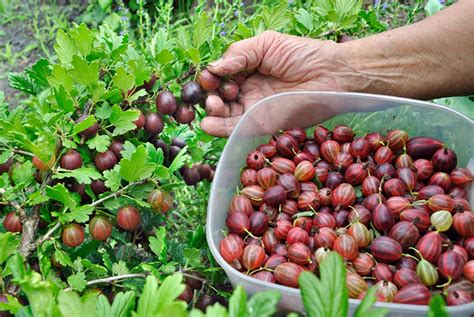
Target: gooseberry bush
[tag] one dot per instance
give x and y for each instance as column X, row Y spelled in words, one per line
column 105, row 173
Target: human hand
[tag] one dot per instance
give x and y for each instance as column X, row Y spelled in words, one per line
column 282, row 63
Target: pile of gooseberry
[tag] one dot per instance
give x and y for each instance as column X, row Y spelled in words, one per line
column 395, row 208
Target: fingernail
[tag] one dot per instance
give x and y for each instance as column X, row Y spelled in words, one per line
column 216, row 63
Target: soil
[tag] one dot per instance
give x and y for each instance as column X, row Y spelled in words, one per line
column 27, row 33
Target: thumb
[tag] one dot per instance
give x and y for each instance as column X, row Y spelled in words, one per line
column 243, row 55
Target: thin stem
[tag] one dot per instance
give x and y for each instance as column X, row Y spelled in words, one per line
column 117, row 193
column 18, row 151
column 113, row 278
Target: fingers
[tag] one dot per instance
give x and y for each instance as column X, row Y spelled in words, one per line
column 243, row 55
column 236, row 109
column 215, row 107
column 219, row 127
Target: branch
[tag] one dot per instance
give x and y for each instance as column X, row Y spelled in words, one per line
column 29, row 226
column 117, row 193
column 18, row 151
column 112, row 279
column 95, row 203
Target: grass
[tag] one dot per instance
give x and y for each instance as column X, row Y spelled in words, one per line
column 27, row 32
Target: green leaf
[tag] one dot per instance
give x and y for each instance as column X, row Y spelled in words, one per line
column 154, row 301
column 372, row 20
column 365, row 308
column 39, row 72
column 12, row 304
column 61, row 194
column 433, row 6
column 121, row 307
column 63, row 258
column 63, row 100
column 79, row 215
column 263, row 304
column 24, row 174
column 216, row 310
column 77, row 281
column 123, row 120
column 136, row 168
column 123, row 80
column 83, row 38
column 120, row 268
column 103, row 112
column 158, row 244
column 84, row 124
column 60, row 77
column 64, row 47
column 169, row 290
column 326, row 296
column 83, row 175
column 71, row 305
column 112, row 178
column 100, row 143
column 193, row 257
column 24, row 83
column 437, row 307
column 238, row 303
column 83, row 72
column 155, row 154
column 305, row 18
column 8, row 244
column 201, row 30
column 179, row 160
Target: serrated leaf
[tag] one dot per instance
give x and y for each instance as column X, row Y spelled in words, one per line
column 137, row 94
column 179, row 160
column 112, row 178
column 123, row 80
column 60, row 77
column 122, row 305
column 63, row 258
column 79, row 215
column 84, row 124
column 120, row 268
column 238, row 303
column 158, row 244
column 155, row 155
column 8, row 244
column 305, row 18
column 123, row 120
column 64, row 47
column 23, row 174
column 100, row 143
column 77, row 281
column 61, row 194
column 263, row 304
column 71, row 305
column 63, row 100
column 83, row 175
column 84, row 72
column 13, row 305
column 327, row 295
column 103, row 112
column 24, row 83
column 193, row 257
column 136, row 168
column 39, row 72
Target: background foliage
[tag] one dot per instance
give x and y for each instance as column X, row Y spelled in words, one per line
column 90, row 59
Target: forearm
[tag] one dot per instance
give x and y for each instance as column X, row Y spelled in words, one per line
column 429, row 59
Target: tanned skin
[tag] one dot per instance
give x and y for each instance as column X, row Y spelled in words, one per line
column 429, row 59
